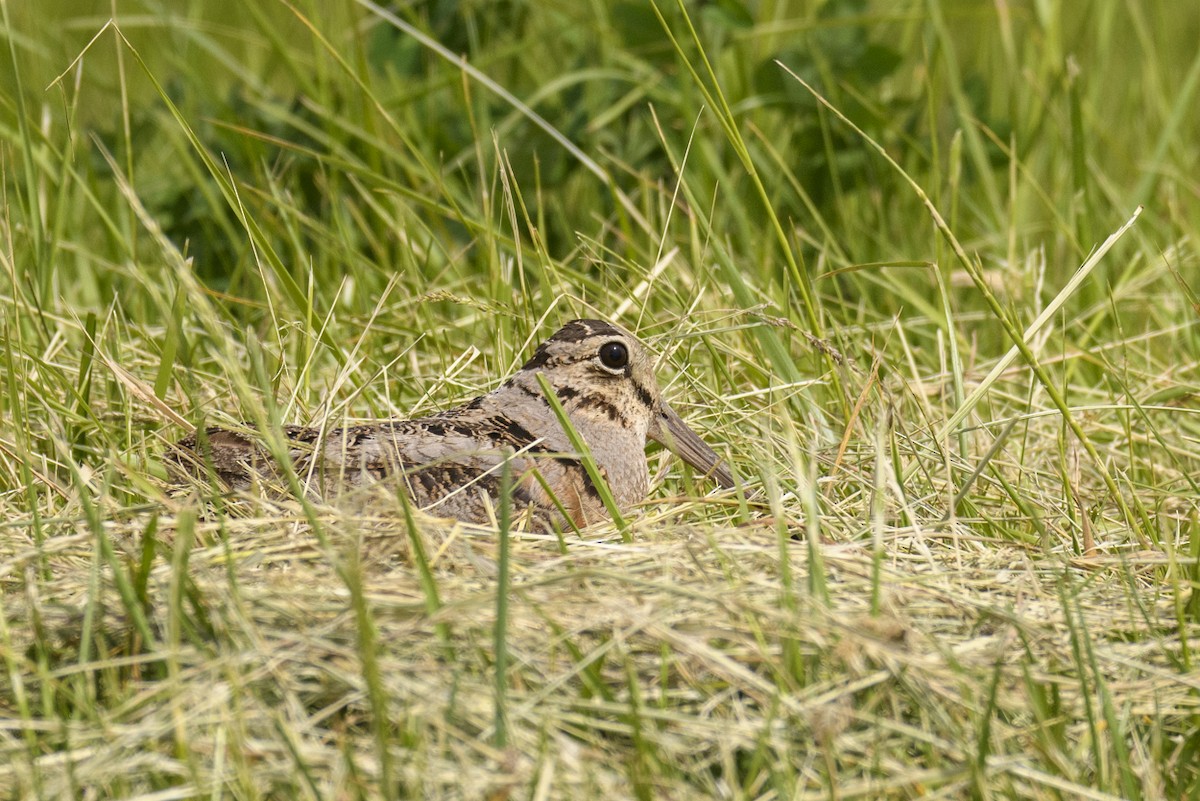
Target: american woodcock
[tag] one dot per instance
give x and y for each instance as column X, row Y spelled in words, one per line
column 450, row 462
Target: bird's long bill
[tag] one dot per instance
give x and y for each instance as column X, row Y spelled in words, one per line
column 669, row 429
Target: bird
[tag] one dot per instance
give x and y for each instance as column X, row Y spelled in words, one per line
column 450, row 463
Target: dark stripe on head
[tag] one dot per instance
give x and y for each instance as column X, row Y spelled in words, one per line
column 541, row 357
column 610, row 411
column 574, row 331
column 643, row 395
column 579, row 330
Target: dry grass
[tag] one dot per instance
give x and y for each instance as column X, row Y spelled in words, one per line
column 680, row 664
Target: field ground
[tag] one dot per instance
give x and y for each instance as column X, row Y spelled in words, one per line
column 883, row 250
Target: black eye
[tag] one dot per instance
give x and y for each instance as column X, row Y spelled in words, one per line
column 614, row 355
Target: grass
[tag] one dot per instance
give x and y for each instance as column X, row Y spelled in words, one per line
column 963, row 561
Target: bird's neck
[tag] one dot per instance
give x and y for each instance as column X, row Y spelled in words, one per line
column 615, row 436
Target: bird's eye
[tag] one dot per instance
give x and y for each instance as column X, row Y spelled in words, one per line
column 614, row 355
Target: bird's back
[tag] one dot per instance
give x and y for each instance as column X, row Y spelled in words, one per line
column 450, row 464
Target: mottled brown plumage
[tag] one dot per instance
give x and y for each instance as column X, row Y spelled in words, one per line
column 450, row 462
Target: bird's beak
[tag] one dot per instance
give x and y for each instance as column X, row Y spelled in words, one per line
column 669, row 429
